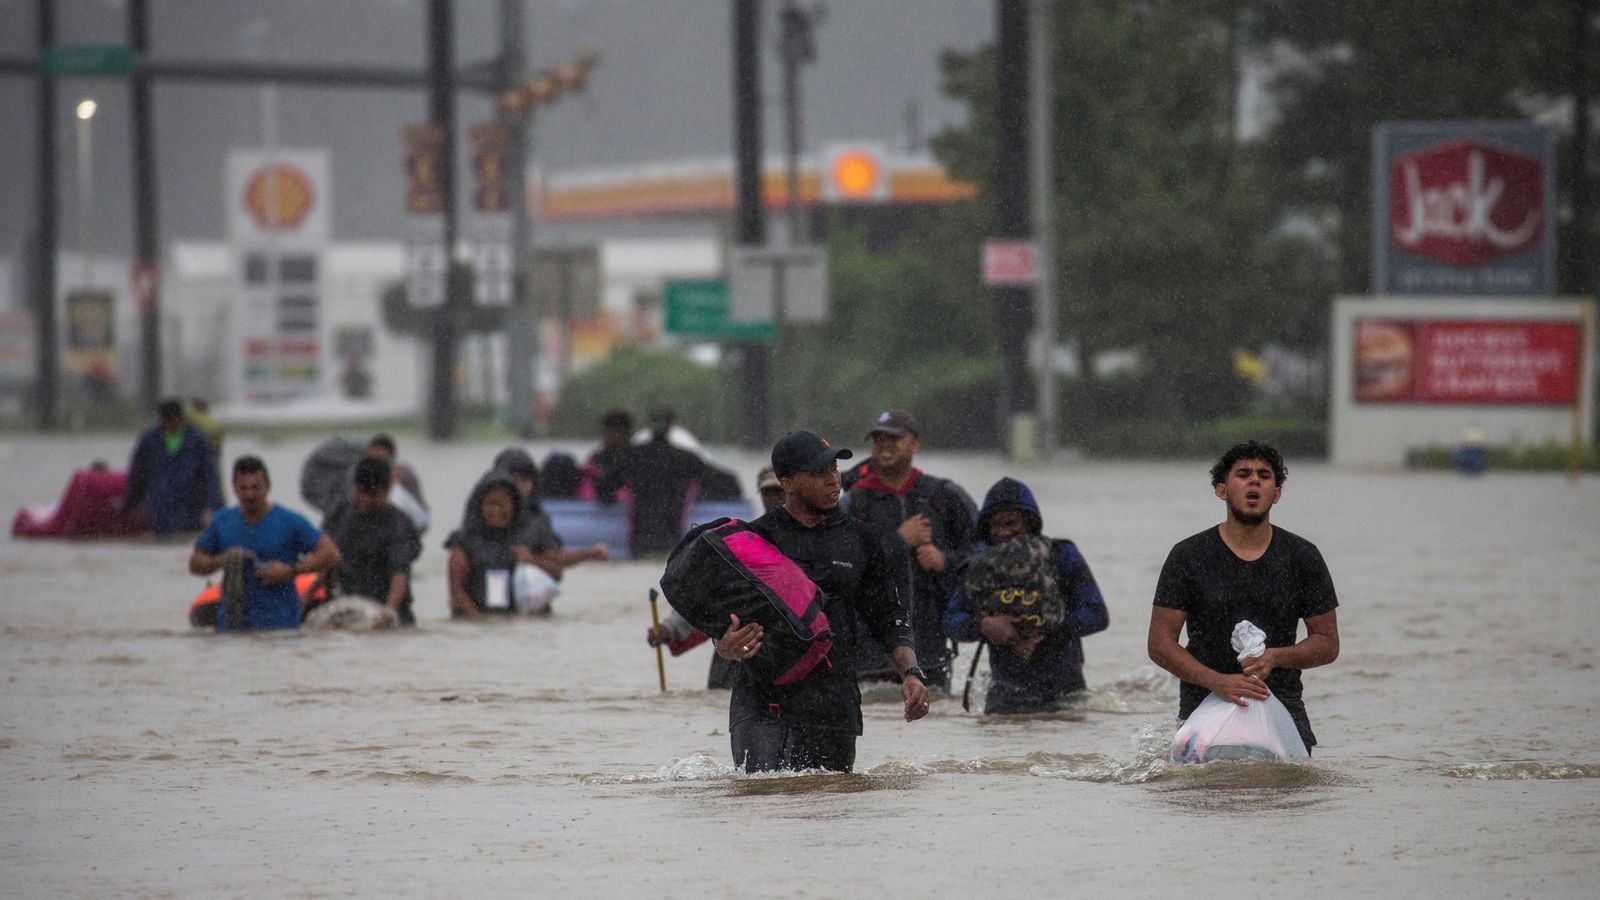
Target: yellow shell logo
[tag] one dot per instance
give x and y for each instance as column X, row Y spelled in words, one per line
column 856, row 175
column 279, row 196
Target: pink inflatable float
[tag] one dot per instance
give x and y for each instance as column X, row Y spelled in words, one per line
column 91, row 506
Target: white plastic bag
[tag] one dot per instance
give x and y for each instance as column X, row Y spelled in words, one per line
column 351, row 614
column 532, row 589
column 1219, row 730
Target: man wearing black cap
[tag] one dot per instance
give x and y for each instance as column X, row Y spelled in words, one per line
column 813, row 724
column 926, row 525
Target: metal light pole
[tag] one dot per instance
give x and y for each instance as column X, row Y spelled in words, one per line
column 443, row 408
column 522, row 334
column 47, row 376
column 146, row 227
column 1044, row 232
column 1013, row 303
column 85, row 114
column 797, row 46
column 520, row 97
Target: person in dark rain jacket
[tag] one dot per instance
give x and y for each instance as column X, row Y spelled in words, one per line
column 173, row 474
column 1031, row 599
column 663, row 480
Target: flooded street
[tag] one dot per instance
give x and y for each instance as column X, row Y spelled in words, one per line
column 1459, row 756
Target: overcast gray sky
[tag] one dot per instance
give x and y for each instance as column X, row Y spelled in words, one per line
column 662, row 92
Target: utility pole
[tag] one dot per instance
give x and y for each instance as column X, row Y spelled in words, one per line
column 751, row 230
column 520, row 96
column 1044, row 232
column 522, row 339
column 1011, row 208
column 146, row 234
column 443, row 415
column 797, row 46
column 47, row 386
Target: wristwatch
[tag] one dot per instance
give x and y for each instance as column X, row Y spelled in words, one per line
column 915, row 672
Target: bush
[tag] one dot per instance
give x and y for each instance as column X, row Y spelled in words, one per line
column 639, row 380
column 1156, row 438
column 1551, row 456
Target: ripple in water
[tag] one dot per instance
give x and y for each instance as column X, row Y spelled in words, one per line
column 1523, row 771
column 1214, row 787
column 703, row 776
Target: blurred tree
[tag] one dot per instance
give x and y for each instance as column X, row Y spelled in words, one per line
column 1167, row 242
column 909, row 328
column 639, row 380
column 1343, row 66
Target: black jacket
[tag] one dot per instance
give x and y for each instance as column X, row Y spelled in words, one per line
column 661, row 477
column 846, row 561
column 487, row 549
column 925, row 593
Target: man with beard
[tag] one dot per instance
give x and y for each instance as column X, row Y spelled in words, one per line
column 926, row 525
column 1245, row 570
column 813, row 723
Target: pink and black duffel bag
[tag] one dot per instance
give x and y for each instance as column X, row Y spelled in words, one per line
column 723, row 568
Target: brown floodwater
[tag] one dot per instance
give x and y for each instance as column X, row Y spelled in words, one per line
column 1460, row 727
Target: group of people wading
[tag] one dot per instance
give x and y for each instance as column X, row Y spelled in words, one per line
column 903, row 565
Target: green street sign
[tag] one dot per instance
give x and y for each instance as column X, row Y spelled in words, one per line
column 88, row 59
column 701, row 309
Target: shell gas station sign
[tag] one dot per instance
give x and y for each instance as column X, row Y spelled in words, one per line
column 855, row 173
column 278, row 224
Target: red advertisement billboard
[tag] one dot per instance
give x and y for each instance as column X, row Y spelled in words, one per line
column 1476, row 361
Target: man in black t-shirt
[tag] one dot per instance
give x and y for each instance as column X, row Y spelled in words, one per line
column 1245, row 569
column 375, row 540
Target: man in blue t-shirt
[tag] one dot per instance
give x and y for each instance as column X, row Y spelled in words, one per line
column 263, row 547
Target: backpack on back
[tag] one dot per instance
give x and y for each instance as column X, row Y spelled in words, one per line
column 725, row 567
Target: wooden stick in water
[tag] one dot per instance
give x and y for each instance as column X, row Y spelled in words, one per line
column 655, row 623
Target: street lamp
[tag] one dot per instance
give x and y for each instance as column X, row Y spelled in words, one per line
column 85, row 113
column 516, row 105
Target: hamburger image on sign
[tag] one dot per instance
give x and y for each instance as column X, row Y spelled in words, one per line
column 1385, row 360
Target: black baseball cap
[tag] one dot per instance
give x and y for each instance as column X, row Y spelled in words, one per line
column 804, row 451
column 894, row 422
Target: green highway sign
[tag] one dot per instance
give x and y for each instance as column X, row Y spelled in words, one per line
column 88, row 59
column 703, row 309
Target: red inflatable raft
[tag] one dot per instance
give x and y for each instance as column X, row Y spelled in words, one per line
column 90, row 507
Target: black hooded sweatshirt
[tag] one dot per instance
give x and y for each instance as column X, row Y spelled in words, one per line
column 487, row 549
column 533, row 527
